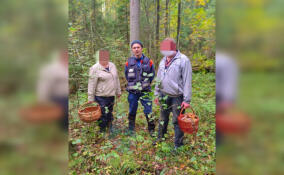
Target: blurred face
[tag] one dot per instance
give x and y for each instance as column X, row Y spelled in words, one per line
column 137, row 50
column 168, row 48
column 104, row 58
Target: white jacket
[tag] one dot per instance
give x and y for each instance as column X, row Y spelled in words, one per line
column 102, row 82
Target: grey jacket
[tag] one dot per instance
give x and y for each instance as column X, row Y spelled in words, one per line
column 176, row 79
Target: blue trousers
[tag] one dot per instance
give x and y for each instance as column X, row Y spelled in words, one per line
column 133, row 99
column 133, row 103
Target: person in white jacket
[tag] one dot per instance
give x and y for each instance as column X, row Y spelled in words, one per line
column 52, row 85
column 103, row 86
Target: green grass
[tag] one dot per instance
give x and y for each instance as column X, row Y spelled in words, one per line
column 29, row 148
column 260, row 151
column 119, row 153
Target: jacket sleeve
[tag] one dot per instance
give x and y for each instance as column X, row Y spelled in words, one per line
column 44, row 86
column 92, row 84
column 158, row 78
column 125, row 72
column 153, row 71
column 118, row 90
column 186, row 78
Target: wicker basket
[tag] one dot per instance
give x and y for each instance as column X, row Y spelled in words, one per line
column 232, row 123
column 89, row 114
column 40, row 113
column 188, row 122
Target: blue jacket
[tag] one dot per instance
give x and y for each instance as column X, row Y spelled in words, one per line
column 139, row 74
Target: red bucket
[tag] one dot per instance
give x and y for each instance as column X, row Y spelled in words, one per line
column 41, row 113
column 232, row 123
column 188, row 122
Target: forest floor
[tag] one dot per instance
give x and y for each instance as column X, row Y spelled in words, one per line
column 261, row 98
column 92, row 152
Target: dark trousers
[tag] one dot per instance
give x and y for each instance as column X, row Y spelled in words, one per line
column 133, row 99
column 171, row 104
column 106, row 104
column 63, row 103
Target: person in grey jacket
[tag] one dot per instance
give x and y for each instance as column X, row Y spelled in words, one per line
column 173, row 91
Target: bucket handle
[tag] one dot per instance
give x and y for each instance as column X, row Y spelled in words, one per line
column 80, row 108
column 182, row 109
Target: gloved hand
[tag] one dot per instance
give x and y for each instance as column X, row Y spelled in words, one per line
column 185, row 105
column 156, row 101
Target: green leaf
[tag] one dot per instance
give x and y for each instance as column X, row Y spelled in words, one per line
column 106, row 110
column 76, row 141
column 139, row 138
column 150, row 75
column 193, row 159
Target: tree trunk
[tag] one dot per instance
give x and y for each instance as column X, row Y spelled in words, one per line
column 94, row 16
column 178, row 23
column 134, row 20
column 93, row 26
column 157, row 28
column 167, row 17
column 127, row 23
column 148, row 29
column 86, row 24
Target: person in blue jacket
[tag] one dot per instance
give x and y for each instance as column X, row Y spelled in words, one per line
column 139, row 73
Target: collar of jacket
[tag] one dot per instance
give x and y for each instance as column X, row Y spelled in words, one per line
column 104, row 69
column 141, row 58
column 177, row 56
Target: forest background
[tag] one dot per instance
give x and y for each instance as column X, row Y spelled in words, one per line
column 107, row 24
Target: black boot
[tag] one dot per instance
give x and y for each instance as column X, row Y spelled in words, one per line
column 110, row 127
column 131, row 124
column 151, row 125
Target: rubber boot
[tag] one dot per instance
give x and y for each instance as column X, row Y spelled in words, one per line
column 131, row 124
column 151, row 125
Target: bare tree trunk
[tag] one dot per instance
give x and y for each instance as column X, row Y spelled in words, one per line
column 167, row 17
column 157, row 28
column 134, row 19
column 127, row 23
column 72, row 12
column 93, row 26
column 94, row 15
column 147, row 28
column 86, row 24
column 178, row 23
column 91, row 53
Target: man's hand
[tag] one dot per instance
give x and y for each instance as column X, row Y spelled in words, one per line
column 184, row 105
column 156, row 101
column 224, row 106
column 89, row 102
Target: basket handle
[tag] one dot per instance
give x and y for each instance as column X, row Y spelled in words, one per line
column 182, row 109
column 80, row 108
